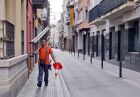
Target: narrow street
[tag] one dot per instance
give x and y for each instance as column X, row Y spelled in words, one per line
column 96, row 41
column 85, row 80
column 79, row 79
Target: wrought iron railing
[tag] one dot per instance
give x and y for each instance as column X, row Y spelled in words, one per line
column 94, row 13
column 104, row 7
column 38, row 3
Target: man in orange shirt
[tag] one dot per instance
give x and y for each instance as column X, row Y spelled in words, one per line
column 44, row 62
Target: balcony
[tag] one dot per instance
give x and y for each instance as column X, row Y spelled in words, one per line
column 38, row 3
column 107, row 9
column 44, row 19
column 70, row 4
column 94, row 13
column 83, row 25
column 67, row 20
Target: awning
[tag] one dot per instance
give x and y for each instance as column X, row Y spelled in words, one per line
column 40, row 35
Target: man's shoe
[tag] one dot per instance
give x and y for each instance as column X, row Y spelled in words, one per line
column 39, row 85
column 46, row 84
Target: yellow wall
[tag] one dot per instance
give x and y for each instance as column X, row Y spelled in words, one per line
column 71, row 16
column 23, row 20
column 2, row 9
column 10, row 10
column 14, row 11
column 18, row 28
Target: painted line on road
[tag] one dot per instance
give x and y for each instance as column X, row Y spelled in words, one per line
column 64, row 86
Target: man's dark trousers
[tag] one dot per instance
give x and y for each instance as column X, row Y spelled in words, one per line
column 42, row 69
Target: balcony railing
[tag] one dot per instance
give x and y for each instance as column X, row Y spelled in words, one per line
column 94, row 13
column 38, row 3
column 104, row 7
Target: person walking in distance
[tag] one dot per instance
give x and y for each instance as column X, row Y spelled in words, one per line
column 44, row 62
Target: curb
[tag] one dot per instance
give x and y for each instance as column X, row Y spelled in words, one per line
column 64, row 85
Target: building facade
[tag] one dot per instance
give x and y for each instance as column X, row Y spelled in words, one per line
column 115, row 29
column 54, row 37
column 61, row 33
column 66, row 22
column 13, row 27
column 13, row 47
column 29, row 33
column 75, row 27
column 70, row 24
column 83, row 26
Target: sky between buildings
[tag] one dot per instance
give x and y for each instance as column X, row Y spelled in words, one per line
column 56, row 9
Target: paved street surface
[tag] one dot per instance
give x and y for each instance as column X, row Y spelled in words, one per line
column 31, row 90
column 86, row 80
column 79, row 78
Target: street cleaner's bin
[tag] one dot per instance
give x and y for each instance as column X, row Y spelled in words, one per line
column 57, row 66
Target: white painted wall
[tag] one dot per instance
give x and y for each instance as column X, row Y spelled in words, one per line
column 127, row 16
column 106, row 25
column 76, row 13
column 132, row 14
column 54, row 39
column 80, row 41
column 65, row 15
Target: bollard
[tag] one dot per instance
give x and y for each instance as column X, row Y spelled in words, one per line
column 119, row 54
column 102, row 66
column 78, row 53
column 120, row 69
column 91, row 58
column 83, row 56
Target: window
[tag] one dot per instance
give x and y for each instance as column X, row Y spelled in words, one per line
column 22, row 42
column 10, row 51
column 133, row 44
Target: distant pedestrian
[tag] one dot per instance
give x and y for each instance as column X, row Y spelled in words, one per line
column 44, row 62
